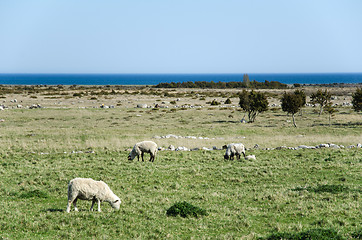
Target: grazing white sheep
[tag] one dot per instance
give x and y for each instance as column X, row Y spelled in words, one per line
column 234, row 149
column 141, row 148
column 89, row 189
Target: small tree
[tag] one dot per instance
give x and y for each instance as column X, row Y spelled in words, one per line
column 321, row 98
column 330, row 110
column 246, row 80
column 357, row 100
column 303, row 98
column 253, row 103
column 293, row 102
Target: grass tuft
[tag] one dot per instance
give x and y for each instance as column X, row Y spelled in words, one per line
column 185, row 209
column 34, row 194
column 357, row 234
column 324, row 189
column 313, row 234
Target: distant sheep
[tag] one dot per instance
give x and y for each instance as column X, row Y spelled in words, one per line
column 141, row 148
column 234, row 149
column 89, row 189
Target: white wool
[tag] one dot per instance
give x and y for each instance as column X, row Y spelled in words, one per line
column 89, row 189
column 234, row 149
column 144, row 147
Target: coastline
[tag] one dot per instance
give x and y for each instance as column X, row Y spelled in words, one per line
column 154, row 79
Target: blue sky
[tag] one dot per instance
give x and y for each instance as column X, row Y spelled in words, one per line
column 188, row 36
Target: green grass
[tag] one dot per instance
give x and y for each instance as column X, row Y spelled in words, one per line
column 281, row 192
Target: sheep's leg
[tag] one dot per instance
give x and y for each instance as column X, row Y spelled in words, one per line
column 99, row 205
column 93, row 202
column 244, row 154
column 75, row 205
column 238, row 156
column 142, row 157
column 69, row 205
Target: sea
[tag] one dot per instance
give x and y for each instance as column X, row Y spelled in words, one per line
column 154, row 79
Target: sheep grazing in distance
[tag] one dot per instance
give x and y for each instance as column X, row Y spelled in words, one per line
column 141, row 148
column 234, row 149
column 89, row 189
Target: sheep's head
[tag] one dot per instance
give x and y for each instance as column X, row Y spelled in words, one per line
column 226, row 157
column 116, row 204
column 132, row 155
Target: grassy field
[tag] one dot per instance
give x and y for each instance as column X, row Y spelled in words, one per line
column 281, row 192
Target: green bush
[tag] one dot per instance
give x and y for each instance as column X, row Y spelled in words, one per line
column 185, row 209
column 214, row 103
column 228, row 101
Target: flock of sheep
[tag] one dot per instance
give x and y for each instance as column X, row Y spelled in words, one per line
column 99, row 191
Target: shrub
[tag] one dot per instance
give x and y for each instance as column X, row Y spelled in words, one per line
column 228, row 101
column 357, row 100
column 321, row 98
column 293, row 102
column 253, row 103
column 185, row 209
column 214, row 103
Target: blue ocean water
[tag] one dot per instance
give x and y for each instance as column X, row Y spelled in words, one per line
column 154, row 79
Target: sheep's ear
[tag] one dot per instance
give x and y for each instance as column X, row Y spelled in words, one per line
column 116, row 201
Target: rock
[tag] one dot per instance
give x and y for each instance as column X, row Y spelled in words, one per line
column 250, row 157
column 181, row 149
column 323, row 145
column 256, row 146
column 281, row 147
column 142, row 105
column 305, row 147
column 171, row 148
column 191, row 137
column 171, row 136
column 156, row 137
column 359, row 145
column 334, row 146
column 207, row 149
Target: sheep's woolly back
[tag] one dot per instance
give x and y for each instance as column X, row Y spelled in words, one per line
column 88, row 189
column 235, row 148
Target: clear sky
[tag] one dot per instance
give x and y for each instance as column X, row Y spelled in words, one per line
column 183, row 36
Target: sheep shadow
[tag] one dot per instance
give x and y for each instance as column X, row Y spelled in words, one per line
column 224, row 121
column 54, row 210
column 339, row 125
